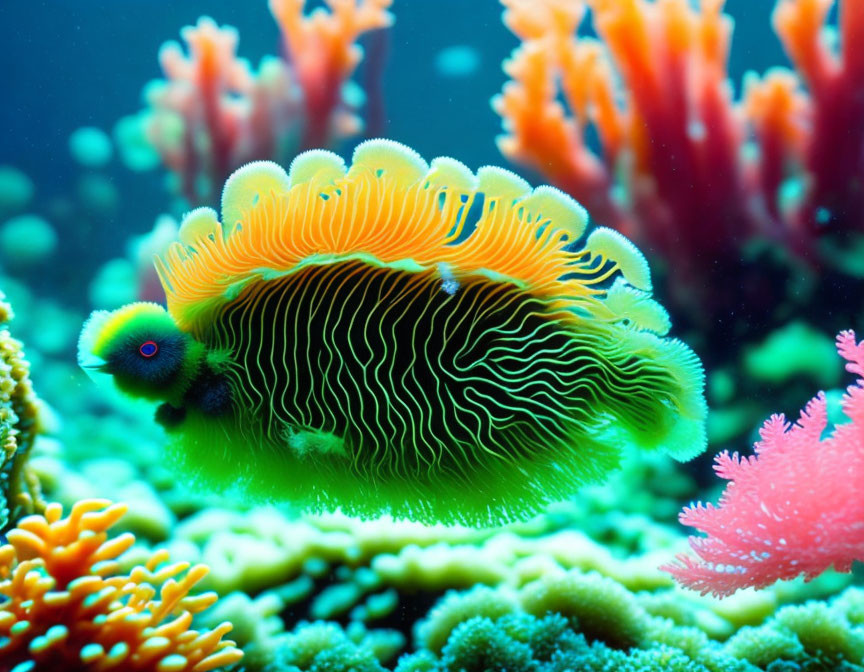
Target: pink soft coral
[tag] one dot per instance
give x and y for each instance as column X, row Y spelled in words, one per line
column 793, row 508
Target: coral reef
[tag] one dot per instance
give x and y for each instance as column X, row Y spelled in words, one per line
column 701, row 180
column 19, row 424
column 728, row 194
column 67, row 606
column 214, row 113
column 561, row 621
column 535, row 629
column 792, row 508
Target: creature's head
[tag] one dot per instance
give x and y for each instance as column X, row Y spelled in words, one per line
column 142, row 348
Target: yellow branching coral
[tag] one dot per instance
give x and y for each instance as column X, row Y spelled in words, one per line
column 68, row 607
column 19, row 424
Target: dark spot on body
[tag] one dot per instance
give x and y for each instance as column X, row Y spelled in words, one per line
column 170, row 416
column 210, row 394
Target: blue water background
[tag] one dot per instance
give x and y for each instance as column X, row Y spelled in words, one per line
column 66, row 64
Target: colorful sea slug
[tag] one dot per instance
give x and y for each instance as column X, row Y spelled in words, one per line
column 402, row 337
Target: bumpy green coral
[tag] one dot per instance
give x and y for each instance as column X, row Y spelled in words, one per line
column 516, row 642
column 523, row 643
column 19, row 424
column 488, row 629
column 813, row 636
column 600, row 607
column 434, row 631
column 322, row 647
column 568, row 629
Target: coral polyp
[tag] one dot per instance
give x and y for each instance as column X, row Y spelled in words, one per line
column 405, row 337
column 67, row 606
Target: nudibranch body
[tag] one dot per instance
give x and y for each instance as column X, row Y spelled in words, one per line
column 402, row 337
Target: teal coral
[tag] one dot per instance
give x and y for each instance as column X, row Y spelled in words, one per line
column 797, row 349
column 19, row 424
column 812, row 637
column 322, row 647
column 562, row 621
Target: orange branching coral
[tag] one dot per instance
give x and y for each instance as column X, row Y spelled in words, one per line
column 323, row 52
column 68, row 607
column 673, row 163
column 540, row 133
column 674, row 118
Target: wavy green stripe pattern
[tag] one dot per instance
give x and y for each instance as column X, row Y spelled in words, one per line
column 375, row 389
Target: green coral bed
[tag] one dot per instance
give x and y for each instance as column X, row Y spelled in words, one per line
column 577, row 588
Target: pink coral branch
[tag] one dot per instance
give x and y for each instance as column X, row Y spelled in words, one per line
column 323, row 51
column 197, row 123
column 793, row 508
column 212, row 113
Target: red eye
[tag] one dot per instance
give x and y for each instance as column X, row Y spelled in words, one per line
column 148, row 349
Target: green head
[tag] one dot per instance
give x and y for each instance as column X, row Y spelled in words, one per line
column 141, row 346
